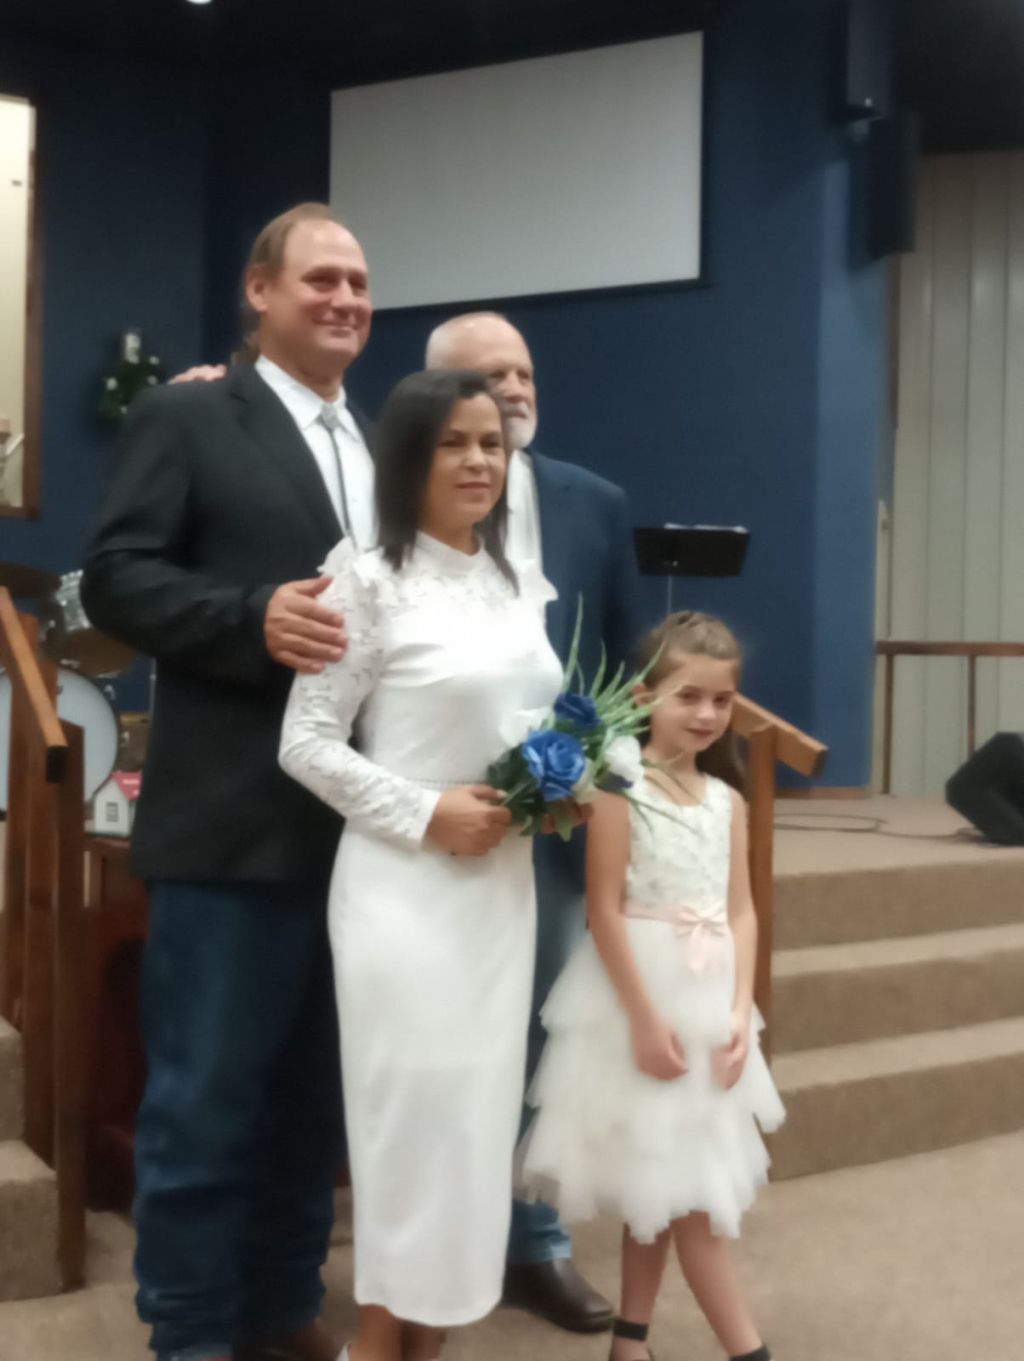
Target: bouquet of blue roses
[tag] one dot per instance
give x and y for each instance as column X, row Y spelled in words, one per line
column 587, row 742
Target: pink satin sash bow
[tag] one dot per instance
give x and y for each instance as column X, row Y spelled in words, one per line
column 709, row 934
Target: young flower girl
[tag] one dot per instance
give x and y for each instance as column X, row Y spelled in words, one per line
column 653, row 1085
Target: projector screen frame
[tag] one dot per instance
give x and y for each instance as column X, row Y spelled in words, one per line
column 499, row 302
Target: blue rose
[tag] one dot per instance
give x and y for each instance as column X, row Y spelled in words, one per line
column 556, row 762
column 579, row 710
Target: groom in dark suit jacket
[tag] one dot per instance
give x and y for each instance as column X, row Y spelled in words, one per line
column 577, row 527
column 225, row 499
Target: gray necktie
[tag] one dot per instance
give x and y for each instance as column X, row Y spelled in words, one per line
column 331, row 422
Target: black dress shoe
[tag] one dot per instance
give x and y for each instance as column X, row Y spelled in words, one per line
column 557, row 1292
column 311, row 1343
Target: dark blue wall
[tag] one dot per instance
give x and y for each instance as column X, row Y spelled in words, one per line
column 121, row 190
column 268, row 150
column 152, row 185
column 756, row 399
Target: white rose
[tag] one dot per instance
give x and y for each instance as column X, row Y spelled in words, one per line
column 516, row 727
column 625, row 759
column 586, row 790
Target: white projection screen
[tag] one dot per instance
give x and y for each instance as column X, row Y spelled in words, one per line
column 544, row 176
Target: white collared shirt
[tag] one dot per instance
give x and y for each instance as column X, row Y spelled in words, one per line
column 304, row 407
column 523, row 544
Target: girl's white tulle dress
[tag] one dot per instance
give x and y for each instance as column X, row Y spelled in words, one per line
column 607, row 1139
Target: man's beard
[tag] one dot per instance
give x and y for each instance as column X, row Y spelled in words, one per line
column 521, row 430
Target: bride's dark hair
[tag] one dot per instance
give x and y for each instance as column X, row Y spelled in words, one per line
column 409, row 431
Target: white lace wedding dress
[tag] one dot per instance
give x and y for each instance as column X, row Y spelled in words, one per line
column 433, row 954
column 608, row 1139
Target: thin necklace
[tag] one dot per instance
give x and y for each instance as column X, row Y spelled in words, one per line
column 665, row 769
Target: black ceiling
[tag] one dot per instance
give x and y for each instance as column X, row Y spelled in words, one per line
column 344, row 41
column 960, row 63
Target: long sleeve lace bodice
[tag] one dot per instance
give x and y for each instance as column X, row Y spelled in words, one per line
column 439, row 653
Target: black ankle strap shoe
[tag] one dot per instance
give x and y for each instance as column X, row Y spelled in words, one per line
column 635, row 1332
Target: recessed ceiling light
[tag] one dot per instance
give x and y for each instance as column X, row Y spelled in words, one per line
column 198, row 2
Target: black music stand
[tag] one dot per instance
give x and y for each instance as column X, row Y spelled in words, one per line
column 690, row 551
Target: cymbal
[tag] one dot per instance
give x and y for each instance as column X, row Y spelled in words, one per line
column 88, row 650
column 27, row 581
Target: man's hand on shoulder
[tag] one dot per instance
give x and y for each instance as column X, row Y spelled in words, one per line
column 300, row 633
column 201, row 373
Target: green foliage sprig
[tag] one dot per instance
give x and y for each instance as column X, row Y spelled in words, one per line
column 132, row 374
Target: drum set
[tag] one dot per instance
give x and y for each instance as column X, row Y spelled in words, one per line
column 85, row 658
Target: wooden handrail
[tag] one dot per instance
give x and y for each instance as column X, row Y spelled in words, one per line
column 891, row 648
column 771, row 740
column 42, row 925
column 802, row 753
column 20, row 663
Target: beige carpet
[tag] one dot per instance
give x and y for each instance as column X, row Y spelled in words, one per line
column 880, row 832
column 913, row 1260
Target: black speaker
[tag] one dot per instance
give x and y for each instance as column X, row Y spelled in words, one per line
column 988, row 789
column 891, row 166
column 866, row 51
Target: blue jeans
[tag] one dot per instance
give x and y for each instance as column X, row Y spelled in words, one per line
column 537, row 1233
column 240, row 1133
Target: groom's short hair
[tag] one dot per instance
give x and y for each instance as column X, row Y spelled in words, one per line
column 267, row 255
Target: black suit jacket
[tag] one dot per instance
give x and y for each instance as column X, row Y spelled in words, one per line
column 215, row 501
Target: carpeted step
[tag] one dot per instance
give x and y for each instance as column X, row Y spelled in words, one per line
column 862, row 1103
column 840, row 905
column 842, row 994
column 28, row 1225
column 11, row 1103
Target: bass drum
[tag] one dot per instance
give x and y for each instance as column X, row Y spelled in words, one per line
column 81, row 701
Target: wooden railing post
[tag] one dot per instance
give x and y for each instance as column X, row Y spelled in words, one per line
column 772, row 740
column 761, row 793
column 37, row 975
column 890, row 687
column 891, row 648
column 70, row 1039
column 41, row 970
column 12, row 919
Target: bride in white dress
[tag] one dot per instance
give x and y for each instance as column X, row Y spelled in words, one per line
column 432, row 898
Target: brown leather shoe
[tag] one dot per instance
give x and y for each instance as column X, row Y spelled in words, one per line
column 556, row 1291
column 312, row 1343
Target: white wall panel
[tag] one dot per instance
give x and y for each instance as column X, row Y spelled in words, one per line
column 1011, row 606
column 909, row 521
column 983, row 480
column 951, row 257
column 958, row 499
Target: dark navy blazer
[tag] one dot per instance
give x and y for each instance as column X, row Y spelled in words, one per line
column 587, row 549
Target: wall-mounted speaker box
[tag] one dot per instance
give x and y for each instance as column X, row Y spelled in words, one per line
column 866, row 59
column 891, row 184
column 988, row 789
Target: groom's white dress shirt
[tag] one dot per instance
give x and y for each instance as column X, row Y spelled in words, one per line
column 305, row 407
